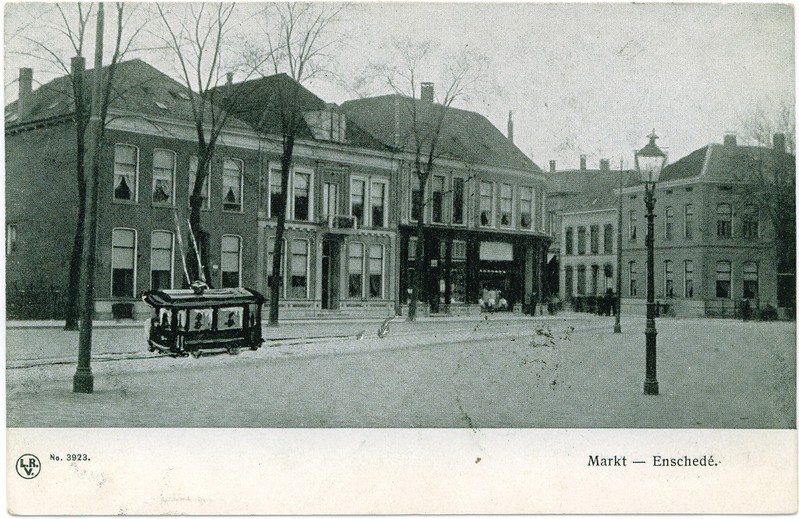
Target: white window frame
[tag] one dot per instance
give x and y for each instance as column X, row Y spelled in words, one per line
column 196, row 160
column 135, row 258
column 241, row 185
column 715, row 285
column 443, row 179
column 366, row 200
column 668, row 264
column 364, row 252
column 493, row 216
column 283, row 266
column 222, row 252
column 302, row 171
column 685, row 272
column 171, row 256
column 174, row 183
column 326, row 209
column 307, row 265
column 512, row 205
column 423, row 209
column 382, row 271
column 685, row 221
column 464, row 202
column 531, row 207
column 279, row 172
column 135, row 188
column 383, row 183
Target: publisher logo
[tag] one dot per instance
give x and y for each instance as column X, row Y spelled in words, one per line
column 28, row 466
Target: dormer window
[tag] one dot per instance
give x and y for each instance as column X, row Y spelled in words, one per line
column 327, row 125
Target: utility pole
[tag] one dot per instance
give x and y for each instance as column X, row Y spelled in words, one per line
column 83, row 381
column 617, row 326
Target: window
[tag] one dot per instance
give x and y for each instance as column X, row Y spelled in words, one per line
column 689, row 279
column 506, row 204
column 438, row 199
column 750, row 280
column 161, row 260
column 669, row 229
column 357, row 194
column 302, row 190
column 688, row 229
column 126, row 169
column 569, row 282
column 416, row 197
column 376, row 271
column 723, row 279
column 724, row 220
column 270, row 257
column 633, row 280
column 355, row 270
column 412, row 248
column 633, row 226
column 581, row 240
column 458, row 185
column 457, row 274
column 329, row 199
column 750, row 227
column 594, row 279
column 11, row 238
column 163, row 177
column 668, row 275
column 594, row 239
column 608, row 245
column 231, row 261
column 486, row 203
column 581, row 280
column 232, row 183
column 526, row 207
column 123, row 263
column 298, row 288
column 569, row 241
column 275, row 187
column 378, row 196
column 205, row 193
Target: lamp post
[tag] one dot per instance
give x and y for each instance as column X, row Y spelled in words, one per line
column 649, row 162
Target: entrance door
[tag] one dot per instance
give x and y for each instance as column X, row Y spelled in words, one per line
column 330, row 278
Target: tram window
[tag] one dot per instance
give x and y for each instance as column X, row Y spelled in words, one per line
column 229, row 318
column 200, row 319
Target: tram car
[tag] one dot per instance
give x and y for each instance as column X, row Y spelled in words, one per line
column 201, row 321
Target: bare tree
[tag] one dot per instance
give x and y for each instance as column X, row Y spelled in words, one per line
column 294, row 39
column 70, row 27
column 460, row 76
column 198, row 36
column 769, row 179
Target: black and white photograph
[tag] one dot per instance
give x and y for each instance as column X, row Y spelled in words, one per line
column 506, row 240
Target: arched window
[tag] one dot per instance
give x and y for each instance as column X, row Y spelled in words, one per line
column 161, row 247
column 724, row 221
column 750, row 280
column 231, row 261
column 723, row 279
column 633, row 280
column 123, row 263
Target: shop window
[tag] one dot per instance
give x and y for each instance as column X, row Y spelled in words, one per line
column 723, row 279
column 750, row 280
column 163, row 177
column 376, row 271
column 688, row 226
column 458, row 185
column 231, row 261
column 126, row 169
column 457, row 272
column 526, row 207
column 355, row 270
column 232, row 184
column 633, row 279
column 123, row 263
column 299, row 269
column 161, row 260
column 724, row 221
column 689, row 279
column 506, row 205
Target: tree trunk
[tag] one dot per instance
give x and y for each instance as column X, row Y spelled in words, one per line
column 418, row 275
column 277, row 275
column 195, row 224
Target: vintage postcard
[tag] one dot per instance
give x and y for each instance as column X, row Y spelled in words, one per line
column 400, row 258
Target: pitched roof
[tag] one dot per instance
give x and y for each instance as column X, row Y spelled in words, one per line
column 258, row 102
column 464, row 135
column 586, row 189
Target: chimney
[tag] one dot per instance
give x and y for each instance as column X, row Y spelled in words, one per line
column 25, row 89
column 730, row 139
column 582, row 161
column 510, row 126
column 427, row 93
column 230, row 79
column 779, row 142
column 604, row 164
column 551, row 166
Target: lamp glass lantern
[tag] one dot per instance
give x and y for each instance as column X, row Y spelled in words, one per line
column 649, row 161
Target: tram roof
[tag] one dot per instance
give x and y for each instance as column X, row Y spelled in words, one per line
column 209, row 297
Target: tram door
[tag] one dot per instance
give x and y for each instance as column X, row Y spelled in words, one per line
column 331, row 252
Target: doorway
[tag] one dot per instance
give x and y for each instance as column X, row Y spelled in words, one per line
column 331, row 252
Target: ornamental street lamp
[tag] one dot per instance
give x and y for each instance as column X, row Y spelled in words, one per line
column 649, row 162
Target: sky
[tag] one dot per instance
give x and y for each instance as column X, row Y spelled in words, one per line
column 591, row 79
